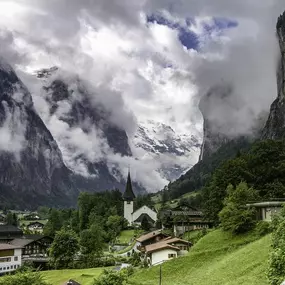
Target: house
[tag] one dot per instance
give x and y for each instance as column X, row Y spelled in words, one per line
column 166, row 249
column 31, row 217
column 266, row 210
column 2, row 219
column 36, row 227
column 10, row 258
column 136, row 217
column 150, row 238
column 33, row 245
column 185, row 219
column 9, row 232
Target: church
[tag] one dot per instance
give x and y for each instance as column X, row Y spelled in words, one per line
column 136, row 217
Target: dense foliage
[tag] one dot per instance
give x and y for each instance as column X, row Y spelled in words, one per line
column 110, row 277
column 200, row 174
column 276, row 272
column 235, row 216
column 262, row 168
column 63, row 249
column 23, row 278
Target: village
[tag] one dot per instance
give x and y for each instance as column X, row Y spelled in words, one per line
column 23, row 240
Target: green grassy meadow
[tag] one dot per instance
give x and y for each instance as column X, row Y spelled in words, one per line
column 216, row 259
column 126, row 236
column 83, row 276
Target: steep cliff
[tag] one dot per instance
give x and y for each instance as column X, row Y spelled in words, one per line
column 91, row 138
column 32, row 171
column 214, row 127
column 275, row 125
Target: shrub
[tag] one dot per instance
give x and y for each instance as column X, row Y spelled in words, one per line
column 25, row 278
column 262, row 228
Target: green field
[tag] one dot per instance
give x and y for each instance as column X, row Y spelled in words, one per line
column 83, row 276
column 126, row 236
column 217, row 259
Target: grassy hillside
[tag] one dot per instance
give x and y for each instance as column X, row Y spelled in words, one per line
column 83, row 276
column 217, row 259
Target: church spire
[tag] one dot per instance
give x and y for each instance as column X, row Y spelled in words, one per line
column 129, row 194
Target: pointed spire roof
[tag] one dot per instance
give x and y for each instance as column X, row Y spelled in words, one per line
column 129, row 194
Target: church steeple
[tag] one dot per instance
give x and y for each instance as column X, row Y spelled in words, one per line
column 129, row 194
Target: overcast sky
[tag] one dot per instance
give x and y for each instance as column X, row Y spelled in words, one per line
column 154, row 58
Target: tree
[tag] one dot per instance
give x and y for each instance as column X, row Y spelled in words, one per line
column 12, row 219
column 110, row 277
column 54, row 223
column 63, row 249
column 235, row 216
column 92, row 241
column 115, row 224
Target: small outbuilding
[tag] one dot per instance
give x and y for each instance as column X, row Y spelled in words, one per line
column 266, row 210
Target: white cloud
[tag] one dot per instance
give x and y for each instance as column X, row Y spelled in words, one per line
column 141, row 70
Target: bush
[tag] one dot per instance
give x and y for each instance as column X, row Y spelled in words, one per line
column 25, row 278
column 110, row 277
column 262, row 228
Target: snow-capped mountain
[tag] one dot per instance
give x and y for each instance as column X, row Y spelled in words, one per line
column 175, row 152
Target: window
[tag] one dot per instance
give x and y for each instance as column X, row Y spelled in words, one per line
column 16, row 258
column 8, row 268
column 0, row 268
column 6, row 259
column 171, row 255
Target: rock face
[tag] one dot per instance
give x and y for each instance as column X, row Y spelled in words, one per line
column 32, row 171
column 71, row 103
column 275, row 125
column 214, row 127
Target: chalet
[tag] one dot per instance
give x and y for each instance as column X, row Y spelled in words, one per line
column 33, row 245
column 150, row 238
column 166, row 249
column 184, row 219
column 266, row 210
column 10, row 258
column 36, row 227
column 31, row 217
column 9, row 232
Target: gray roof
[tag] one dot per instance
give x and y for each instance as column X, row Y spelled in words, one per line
column 267, row 204
column 21, row 242
column 6, row 246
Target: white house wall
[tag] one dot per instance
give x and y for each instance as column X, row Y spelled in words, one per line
column 160, row 256
column 145, row 210
column 16, row 262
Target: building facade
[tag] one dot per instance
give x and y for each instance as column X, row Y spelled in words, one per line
column 136, row 217
column 10, row 258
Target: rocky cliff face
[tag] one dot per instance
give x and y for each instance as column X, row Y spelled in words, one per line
column 91, row 136
column 32, row 171
column 214, row 130
column 275, row 125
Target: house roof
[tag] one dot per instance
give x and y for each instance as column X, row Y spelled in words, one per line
column 266, row 204
column 9, row 228
column 141, row 216
column 21, row 242
column 26, row 240
column 166, row 243
column 129, row 194
column 149, row 236
column 159, row 246
column 6, row 246
column 35, row 223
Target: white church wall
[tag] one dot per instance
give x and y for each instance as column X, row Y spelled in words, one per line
column 128, row 210
column 145, row 210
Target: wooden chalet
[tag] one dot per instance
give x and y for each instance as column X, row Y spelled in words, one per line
column 9, row 232
column 185, row 218
column 150, row 238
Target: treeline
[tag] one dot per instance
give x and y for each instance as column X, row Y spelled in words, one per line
column 262, row 168
column 200, row 174
column 83, row 234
